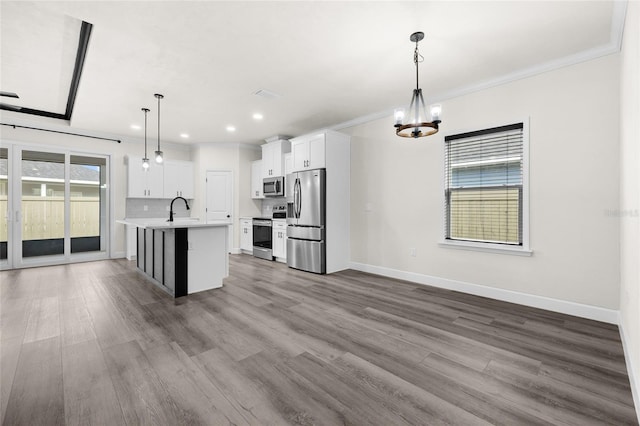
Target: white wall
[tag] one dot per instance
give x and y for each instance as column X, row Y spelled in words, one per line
column 117, row 151
column 397, row 192
column 235, row 158
column 630, row 195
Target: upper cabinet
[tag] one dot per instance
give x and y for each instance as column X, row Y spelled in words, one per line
column 256, row 179
column 288, row 164
column 309, row 153
column 172, row 179
column 178, row 179
column 143, row 183
column 273, row 157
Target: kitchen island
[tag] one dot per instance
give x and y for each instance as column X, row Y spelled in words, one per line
column 182, row 257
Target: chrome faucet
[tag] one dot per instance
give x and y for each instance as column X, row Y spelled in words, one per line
column 171, row 208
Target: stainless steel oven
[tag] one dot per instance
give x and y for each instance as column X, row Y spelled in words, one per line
column 262, row 243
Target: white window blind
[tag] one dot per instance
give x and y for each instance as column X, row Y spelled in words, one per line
column 483, row 185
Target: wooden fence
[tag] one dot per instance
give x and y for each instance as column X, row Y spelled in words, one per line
column 485, row 214
column 43, row 217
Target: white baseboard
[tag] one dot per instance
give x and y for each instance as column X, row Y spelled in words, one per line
column 634, row 379
column 235, row 251
column 118, row 255
column 565, row 307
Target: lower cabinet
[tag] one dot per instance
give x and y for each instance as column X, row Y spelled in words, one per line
column 246, row 235
column 279, row 240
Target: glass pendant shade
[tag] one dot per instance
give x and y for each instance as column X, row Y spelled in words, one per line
column 158, row 157
column 145, row 163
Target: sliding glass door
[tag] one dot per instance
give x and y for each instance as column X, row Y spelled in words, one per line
column 88, row 209
column 42, row 203
column 59, row 210
column 5, row 211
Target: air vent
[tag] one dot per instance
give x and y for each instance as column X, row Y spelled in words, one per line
column 267, row 94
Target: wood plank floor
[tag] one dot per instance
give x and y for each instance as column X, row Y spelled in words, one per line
column 95, row 343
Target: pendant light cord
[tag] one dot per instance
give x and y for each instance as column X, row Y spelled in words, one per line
column 145, row 131
column 159, row 97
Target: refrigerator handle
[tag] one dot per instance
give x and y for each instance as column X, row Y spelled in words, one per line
column 298, row 198
column 295, row 199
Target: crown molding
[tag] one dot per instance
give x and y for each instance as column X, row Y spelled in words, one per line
column 613, row 46
column 255, row 147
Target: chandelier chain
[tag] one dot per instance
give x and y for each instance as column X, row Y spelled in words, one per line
column 417, row 58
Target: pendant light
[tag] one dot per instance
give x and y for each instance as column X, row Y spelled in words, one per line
column 158, row 153
column 145, row 160
column 417, row 125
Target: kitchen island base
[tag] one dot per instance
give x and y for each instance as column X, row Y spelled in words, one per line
column 183, row 260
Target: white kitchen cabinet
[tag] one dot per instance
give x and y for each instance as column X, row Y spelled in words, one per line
column 256, row 179
column 178, row 179
column 272, row 157
column 279, row 239
column 288, row 164
column 246, row 235
column 143, row 183
column 132, row 241
column 308, row 153
column 332, row 151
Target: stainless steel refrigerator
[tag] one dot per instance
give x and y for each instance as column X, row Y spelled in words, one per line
column 306, row 197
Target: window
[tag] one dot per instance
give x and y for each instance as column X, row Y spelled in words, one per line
column 484, row 187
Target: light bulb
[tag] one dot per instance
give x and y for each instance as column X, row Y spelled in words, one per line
column 158, row 157
column 436, row 110
column 398, row 114
column 145, row 163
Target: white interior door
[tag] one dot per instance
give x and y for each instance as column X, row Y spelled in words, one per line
column 220, row 199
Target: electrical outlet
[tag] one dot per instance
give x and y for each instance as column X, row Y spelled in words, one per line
column 145, row 208
column 412, row 252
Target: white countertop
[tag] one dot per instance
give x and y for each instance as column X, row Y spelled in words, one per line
column 178, row 222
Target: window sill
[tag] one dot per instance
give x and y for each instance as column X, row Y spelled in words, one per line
column 487, row 248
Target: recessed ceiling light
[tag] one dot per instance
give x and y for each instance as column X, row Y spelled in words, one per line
column 231, row 129
column 136, row 127
column 258, row 116
column 184, row 135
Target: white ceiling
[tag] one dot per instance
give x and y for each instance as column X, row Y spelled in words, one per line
column 329, row 61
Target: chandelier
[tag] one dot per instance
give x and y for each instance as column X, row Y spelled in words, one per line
column 416, row 125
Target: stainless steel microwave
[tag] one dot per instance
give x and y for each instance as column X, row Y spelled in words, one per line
column 273, row 186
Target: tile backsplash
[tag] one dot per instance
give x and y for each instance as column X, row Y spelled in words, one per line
column 268, row 203
column 154, row 207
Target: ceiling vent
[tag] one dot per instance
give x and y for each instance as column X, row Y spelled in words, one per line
column 267, row 94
